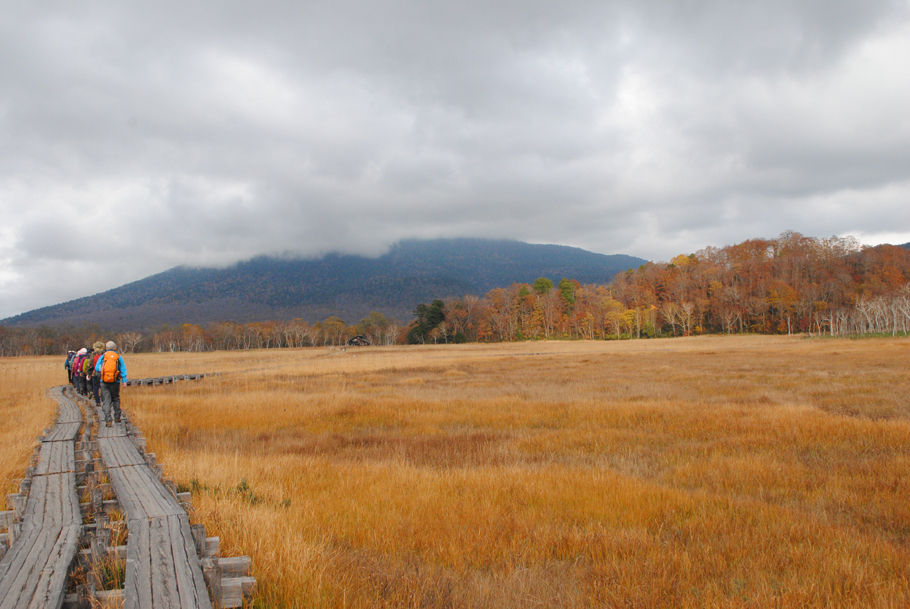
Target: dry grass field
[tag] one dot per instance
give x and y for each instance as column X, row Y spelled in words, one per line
column 25, row 410
column 702, row 472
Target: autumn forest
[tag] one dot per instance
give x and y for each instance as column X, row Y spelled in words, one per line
column 788, row 285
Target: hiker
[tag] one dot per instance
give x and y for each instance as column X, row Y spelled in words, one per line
column 78, row 376
column 86, row 388
column 97, row 352
column 68, row 365
column 73, row 370
column 112, row 370
column 87, row 370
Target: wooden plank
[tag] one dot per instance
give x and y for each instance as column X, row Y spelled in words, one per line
column 166, row 499
column 38, row 565
column 24, row 569
column 51, row 586
column 68, row 411
column 137, row 582
column 33, row 572
column 44, row 458
column 128, row 478
column 71, row 504
column 67, row 458
column 159, row 502
column 119, row 451
column 144, row 493
column 235, row 566
column 233, row 590
column 186, row 591
column 22, row 544
column 16, row 502
column 107, row 432
column 120, row 484
column 68, row 506
column 64, row 459
column 127, row 452
column 185, row 549
column 164, row 588
column 55, row 458
column 145, row 597
column 63, row 432
column 34, row 505
column 53, row 504
column 135, row 488
column 115, row 452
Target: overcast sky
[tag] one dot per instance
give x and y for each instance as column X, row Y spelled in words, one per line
column 138, row 136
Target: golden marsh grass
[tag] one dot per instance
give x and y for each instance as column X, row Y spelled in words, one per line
column 25, row 411
column 703, row 472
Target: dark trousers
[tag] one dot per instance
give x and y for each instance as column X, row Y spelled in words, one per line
column 96, row 389
column 110, row 396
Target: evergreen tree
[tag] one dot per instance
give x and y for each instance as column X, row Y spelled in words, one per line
column 426, row 319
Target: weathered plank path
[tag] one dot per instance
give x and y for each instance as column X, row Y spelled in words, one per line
column 163, row 568
column 165, row 380
column 168, row 562
column 33, row 572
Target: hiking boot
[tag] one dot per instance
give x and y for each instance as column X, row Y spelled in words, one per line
column 116, row 419
column 107, row 424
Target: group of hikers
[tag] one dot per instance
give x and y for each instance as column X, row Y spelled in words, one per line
column 98, row 371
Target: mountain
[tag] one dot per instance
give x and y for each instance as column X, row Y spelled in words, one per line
column 349, row 286
column 906, row 246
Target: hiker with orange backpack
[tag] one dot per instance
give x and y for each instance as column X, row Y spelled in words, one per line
column 112, row 370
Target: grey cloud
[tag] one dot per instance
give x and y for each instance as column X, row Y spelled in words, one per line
column 202, row 133
column 761, row 36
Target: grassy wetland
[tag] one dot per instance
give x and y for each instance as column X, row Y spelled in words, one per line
column 701, row 472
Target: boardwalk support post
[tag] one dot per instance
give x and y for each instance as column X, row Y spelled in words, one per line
column 16, row 503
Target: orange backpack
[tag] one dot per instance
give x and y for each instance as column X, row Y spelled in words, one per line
column 110, row 367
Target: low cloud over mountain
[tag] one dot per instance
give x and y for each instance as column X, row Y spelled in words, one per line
column 312, row 289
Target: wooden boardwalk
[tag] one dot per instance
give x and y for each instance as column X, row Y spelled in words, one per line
column 165, row 380
column 168, row 562
column 33, row 572
column 163, row 568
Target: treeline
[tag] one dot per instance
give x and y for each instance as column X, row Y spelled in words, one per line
column 792, row 284
column 376, row 328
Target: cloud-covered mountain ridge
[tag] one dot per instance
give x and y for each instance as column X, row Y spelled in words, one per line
column 349, row 286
